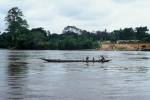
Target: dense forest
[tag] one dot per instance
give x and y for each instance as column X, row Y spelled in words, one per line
column 19, row 36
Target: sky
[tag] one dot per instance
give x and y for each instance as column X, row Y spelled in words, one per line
column 91, row 15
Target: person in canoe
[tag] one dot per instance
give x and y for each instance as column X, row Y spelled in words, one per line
column 87, row 58
column 93, row 59
column 102, row 58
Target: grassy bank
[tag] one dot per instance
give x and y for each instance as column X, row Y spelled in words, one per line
column 126, row 46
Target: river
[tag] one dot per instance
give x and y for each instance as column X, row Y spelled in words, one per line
column 24, row 76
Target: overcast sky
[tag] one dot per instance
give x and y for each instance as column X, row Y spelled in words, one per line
column 91, row 15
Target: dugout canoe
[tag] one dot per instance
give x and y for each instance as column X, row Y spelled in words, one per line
column 69, row 61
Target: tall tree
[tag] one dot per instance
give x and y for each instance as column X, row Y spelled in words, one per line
column 16, row 24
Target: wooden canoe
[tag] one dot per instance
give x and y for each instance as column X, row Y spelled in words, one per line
column 61, row 61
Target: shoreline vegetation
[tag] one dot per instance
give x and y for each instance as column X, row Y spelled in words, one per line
column 18, row 36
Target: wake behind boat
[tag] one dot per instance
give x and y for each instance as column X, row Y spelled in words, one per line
column 61, row 61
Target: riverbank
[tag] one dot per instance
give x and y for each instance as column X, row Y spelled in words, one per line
column 125, row 46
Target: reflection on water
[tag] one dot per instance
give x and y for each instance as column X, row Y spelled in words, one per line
column 17, row 73
column 25, row 77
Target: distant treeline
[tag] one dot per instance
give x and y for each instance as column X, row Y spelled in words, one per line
column 19, row 36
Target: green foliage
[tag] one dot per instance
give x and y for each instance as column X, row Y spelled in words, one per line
column 17, row 26
column 139, row 33
column 5, row 40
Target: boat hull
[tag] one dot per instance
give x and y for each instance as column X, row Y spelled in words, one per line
column 69, row 61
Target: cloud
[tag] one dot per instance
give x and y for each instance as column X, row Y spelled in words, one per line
column 54, row 15
column 124, row 1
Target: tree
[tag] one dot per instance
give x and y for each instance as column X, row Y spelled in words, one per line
column 72, row 29
column 141, row 32
column 16, row 24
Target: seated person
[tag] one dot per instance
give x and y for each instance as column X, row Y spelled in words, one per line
column 102, row 58
column 87, row 58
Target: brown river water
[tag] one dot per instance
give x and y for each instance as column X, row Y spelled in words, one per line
column 24, row 76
